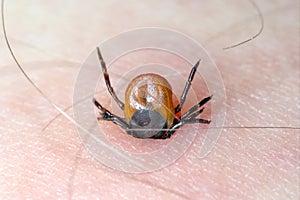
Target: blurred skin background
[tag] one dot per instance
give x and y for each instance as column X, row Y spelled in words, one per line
column 51, row 40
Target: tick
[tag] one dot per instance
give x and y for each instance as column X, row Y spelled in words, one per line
column 148, row 108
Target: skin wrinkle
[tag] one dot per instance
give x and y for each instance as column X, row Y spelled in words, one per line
column 268, row 108
column 162, row 188
column 180, row 165
column 121, row 175
column 239, row 164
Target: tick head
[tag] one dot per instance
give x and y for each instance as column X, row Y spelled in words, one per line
column 146, row 123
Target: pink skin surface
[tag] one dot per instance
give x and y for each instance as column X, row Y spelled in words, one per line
column 51, row 39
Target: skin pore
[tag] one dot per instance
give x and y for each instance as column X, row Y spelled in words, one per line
column 52, row 39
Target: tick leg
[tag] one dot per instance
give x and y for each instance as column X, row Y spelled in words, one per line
column 107, row 81
column 108, row 116
column 187, row 87
column 189, row 117
column 191, row 113
column 179, row 124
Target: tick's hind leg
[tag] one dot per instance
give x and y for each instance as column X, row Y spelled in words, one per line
column 189, row 117
column 108, row 116
column 179, row 124
column 107, row 81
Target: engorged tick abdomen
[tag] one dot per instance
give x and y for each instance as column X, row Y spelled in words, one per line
column 150, row 92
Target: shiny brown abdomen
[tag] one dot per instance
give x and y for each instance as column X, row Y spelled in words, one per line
column 149, row 91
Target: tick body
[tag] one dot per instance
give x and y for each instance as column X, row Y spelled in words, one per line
column 149, row 110
column 149, row 105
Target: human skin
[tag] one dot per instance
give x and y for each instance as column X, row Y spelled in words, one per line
column 261, row 78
